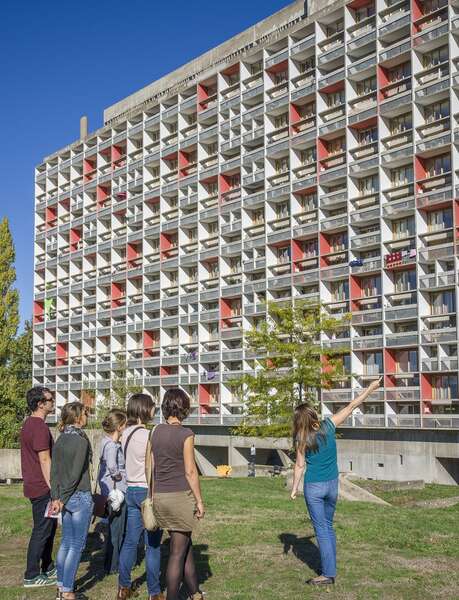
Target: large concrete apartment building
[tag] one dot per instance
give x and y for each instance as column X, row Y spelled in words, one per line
column 313, row 156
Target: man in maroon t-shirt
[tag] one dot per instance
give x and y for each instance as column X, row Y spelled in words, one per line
column 36, row 448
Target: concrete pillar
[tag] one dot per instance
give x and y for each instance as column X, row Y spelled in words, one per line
column 83, row 127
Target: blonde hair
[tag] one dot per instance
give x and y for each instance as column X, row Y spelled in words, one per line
column 71, row 414
column 115, row 418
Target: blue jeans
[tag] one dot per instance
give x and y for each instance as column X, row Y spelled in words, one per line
column 321, row 497
column 76, row 518
column 134, row 529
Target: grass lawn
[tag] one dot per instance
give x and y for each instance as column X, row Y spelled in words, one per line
column 256, row 544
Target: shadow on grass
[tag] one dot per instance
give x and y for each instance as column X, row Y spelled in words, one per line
column 93, row 556
column 303, row 549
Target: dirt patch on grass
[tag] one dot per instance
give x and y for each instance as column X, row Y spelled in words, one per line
column 438, row 503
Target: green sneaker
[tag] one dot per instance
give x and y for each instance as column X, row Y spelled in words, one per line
column 39, row 581
column 51, row 574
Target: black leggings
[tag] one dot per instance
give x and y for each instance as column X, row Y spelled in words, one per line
column 181, row 565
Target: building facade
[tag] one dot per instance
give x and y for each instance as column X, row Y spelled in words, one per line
column 310, row 157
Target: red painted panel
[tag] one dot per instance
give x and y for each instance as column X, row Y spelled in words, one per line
column 297, row 252
column 75, row 237
column 225, row 308
column 322, row 150
column 282, row 66
column 419, row 172
column 38, row 312
column 426, row 387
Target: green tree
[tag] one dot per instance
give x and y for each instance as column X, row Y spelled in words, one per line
column 294, row 367
column 122, row 387
column 12, row 405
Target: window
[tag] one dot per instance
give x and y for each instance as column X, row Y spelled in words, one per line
column 308, row 110
column 406, row 361
column 404, row 281
column 173, row 164
column 444, row 387
column 256, row 67
column 401, row 123
column 258, row 216
column 236, row 308
column 334, row 28
column 307, row 65
column 308, row 202
column 212, row 148
column 338, row 242
column 439, row 219
column 308, row 156
column 366, row 86
column 371, row 286
column 234, row 181
column 438, row 165
column 367, row 136
column 235, row 264
column 336, row 146
column 403, row 228
column 212, row 188
column 212, row 227
column 282, row 210
column 436, row 111
column 363, row 13
column 192, row 275
column 429, row 6
column 310, row 249
column 372, row 363
column 281, row 77
column 155, row 172
column 283, row 255
column 368, row 185
column 442, row 303
column 399, row 72
column 335, row 98
column 339, row 290
column 192, row 234
column 282, row 165
column 435, row 57
column 281, row 120
column 402, row 175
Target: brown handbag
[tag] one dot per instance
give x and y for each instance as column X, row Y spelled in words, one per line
column 148, row 514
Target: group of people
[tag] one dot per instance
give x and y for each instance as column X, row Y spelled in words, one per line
column 58, row 480
column 136, row 464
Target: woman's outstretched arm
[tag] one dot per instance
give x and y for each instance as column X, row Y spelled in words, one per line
column 347, row 411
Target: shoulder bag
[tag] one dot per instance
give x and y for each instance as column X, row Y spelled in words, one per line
column 148, row 515
column 100, row 500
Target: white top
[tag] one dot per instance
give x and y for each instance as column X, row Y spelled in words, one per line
column 135, row 459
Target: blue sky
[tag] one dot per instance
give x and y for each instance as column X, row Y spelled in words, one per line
column 64, row 59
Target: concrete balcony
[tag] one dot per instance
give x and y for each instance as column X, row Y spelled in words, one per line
column 435, row 197
column 402, row 313
column 432, row 92
column 367, row 342
column 333, row 200
column 394, row 51
column 399, row 420
column 429, row 39
column 369, row 265
column 402, row 394
column 369, row 420
column 427, row 255
column 440, row 422
column 364, row 317
column 402, row 339
column 439, row 336
column 336, row 395
column 438, row 281
column 366, row 215
column 366, row 240
column 393, row 24
column 334, row 223
column 399, row 208
column 306, row 277
column 331, row 78
column 394, row 106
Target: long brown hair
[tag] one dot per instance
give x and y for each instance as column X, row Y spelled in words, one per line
column 71, row 414
column 306, row 429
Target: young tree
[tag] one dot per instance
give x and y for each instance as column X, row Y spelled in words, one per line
column 294, row 366
column 11, row 402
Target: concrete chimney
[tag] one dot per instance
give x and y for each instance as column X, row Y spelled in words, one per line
column 83, row 127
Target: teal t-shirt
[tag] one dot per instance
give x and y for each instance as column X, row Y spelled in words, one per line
column 322, row 465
